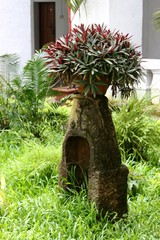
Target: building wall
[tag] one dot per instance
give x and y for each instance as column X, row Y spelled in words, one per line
column 126, row 16
column 151, row 38
column 15, row 31
column 61, row 19
column 92, row 11
column 16, row 26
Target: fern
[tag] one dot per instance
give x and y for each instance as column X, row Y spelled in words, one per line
column 36, row 82
column 24, row 95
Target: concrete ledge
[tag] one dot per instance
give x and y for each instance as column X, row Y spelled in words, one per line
column 151, row 64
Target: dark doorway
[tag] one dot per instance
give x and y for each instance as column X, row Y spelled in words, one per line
column 44, row 23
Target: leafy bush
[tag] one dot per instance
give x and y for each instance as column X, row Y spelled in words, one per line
column 24, row 100
column 138, row 133
column 23, row 95
column 90, row 56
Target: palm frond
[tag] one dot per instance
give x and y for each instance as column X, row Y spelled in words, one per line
column 74, row 5
column 156, row 20
column 36, row 77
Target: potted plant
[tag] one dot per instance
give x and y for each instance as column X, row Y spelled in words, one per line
column 93, row 56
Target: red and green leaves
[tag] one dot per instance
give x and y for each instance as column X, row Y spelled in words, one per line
column 91, row 52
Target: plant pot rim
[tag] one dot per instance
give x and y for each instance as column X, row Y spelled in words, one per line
column 66, row 90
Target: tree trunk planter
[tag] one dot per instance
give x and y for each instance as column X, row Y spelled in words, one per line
column 90, row 151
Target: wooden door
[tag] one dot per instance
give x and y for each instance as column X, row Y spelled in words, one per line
column 47, row 24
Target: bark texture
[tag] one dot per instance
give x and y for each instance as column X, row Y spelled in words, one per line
column 90, row 150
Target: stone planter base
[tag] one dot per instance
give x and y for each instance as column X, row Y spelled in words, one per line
column 90, row 151
column 109, row 190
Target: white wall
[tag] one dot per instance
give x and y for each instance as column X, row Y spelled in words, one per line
column 93, row 11
column 126, row 16
column 16, row 23
column 17, row 27
column 15, row 32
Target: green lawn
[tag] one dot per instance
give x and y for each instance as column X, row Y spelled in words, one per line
column 34, row 208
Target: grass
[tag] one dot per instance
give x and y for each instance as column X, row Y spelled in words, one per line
column 37, row 209
column 33, row 207
column 138, row 130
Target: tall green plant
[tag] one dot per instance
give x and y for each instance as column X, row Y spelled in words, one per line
column 137, row 132
column 34, row 84
column 74, row 5
column 26, row 94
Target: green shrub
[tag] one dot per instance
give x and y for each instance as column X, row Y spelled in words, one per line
column 138, row 133
column 25, row 105
column 23, row 95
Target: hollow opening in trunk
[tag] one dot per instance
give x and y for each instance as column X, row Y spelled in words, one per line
column 77, row 160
